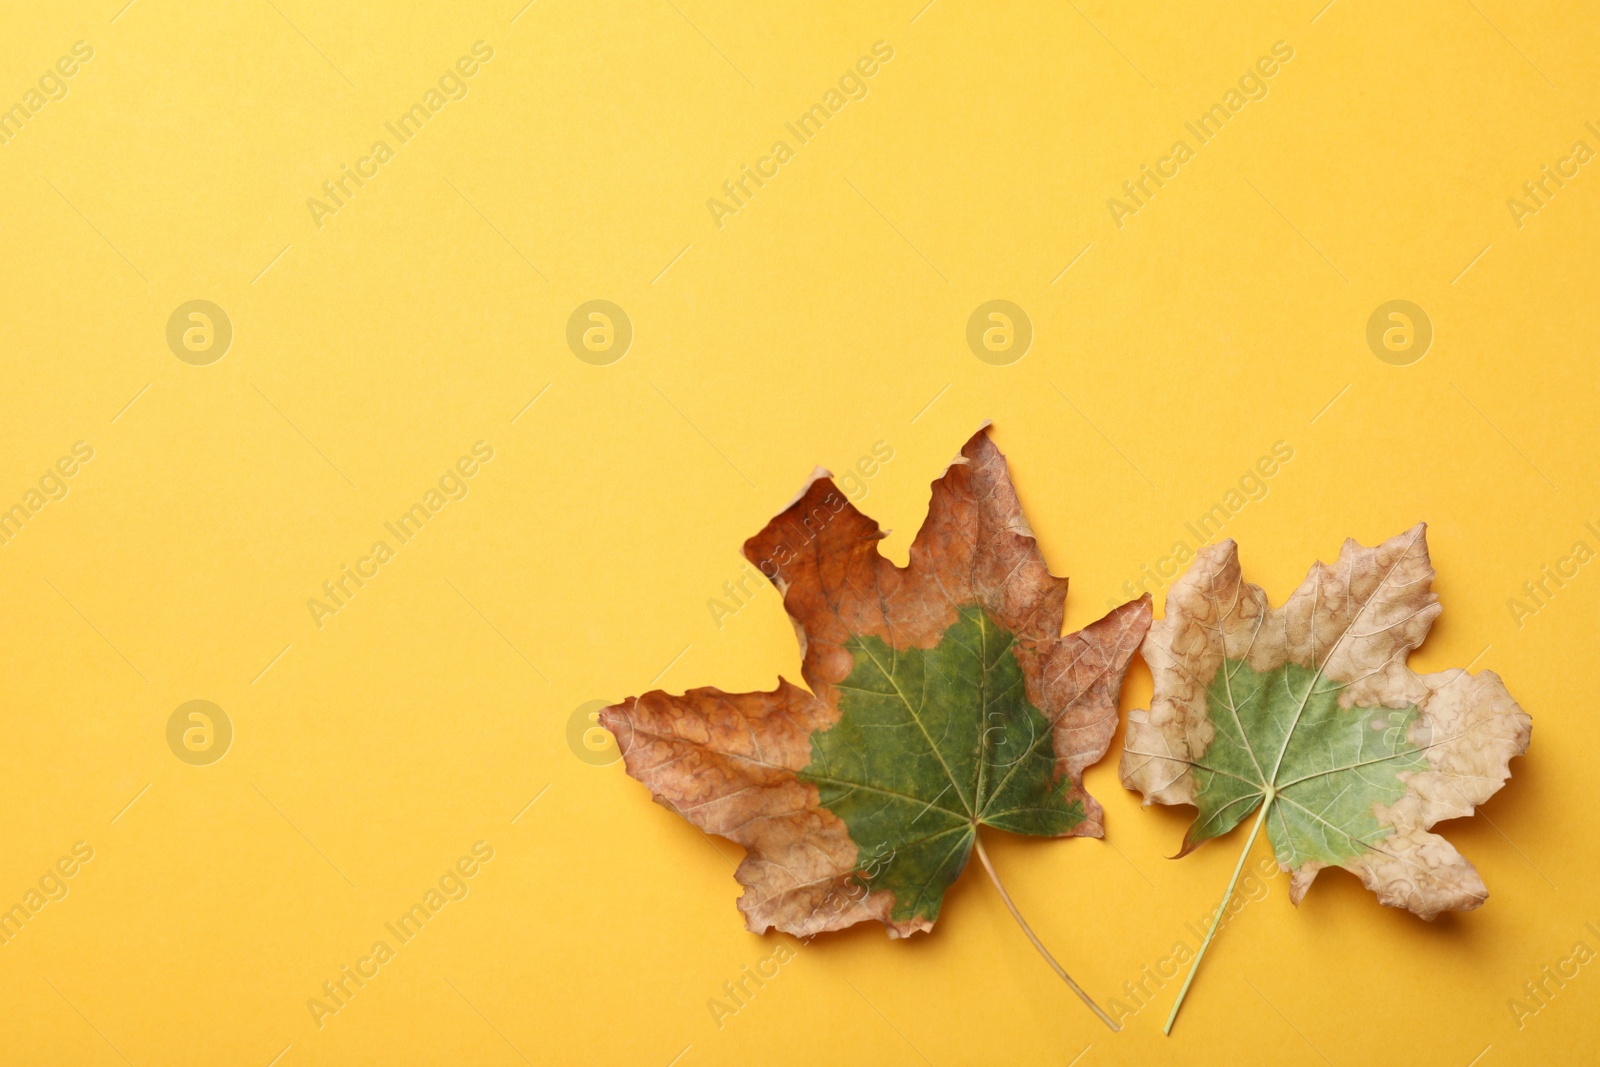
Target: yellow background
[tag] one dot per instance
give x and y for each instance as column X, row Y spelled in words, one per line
column 827, row 315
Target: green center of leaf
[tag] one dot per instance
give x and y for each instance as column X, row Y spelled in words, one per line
column 1328, row 767
column 929, row 745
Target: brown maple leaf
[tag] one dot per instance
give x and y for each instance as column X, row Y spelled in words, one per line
column 943, row 697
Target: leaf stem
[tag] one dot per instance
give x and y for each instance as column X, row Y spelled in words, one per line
column 1222, row 908
column 1051, row 960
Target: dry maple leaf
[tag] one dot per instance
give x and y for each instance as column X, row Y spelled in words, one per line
column 942, row 697
column 1310, row 712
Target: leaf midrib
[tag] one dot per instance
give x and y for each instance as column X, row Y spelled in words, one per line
column 1311, row 685
column 923, row 728
column 1317, row 673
